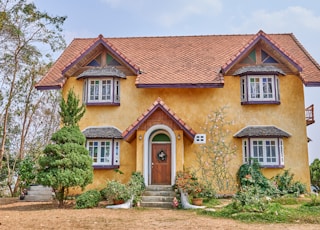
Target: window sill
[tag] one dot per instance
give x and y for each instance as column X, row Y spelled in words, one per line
column 260, row 102
column 272, row 166
column 106, row 166
column 103, row 103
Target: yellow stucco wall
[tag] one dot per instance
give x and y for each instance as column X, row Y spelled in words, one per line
column 192, row 106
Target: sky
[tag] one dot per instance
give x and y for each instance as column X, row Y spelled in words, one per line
column 132, row 18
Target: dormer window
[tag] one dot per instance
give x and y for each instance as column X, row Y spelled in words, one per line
column 260, row 89
column 105, row 90
column 259, row 84
column 102, row 86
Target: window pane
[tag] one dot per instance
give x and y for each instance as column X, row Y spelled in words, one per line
column 254, row 87
column 104, row 91
column 267, row 88
column 108, row 89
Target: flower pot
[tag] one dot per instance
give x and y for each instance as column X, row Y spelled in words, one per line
column 118, row 201
column 197, row 201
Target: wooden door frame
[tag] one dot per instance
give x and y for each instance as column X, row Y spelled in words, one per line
column 154, row 161
column 151, row 132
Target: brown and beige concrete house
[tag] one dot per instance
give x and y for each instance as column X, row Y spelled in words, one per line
column 148, row 97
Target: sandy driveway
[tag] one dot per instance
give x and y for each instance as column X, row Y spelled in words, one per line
column 35, row 215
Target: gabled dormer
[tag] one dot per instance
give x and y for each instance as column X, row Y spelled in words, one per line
column 259, row 65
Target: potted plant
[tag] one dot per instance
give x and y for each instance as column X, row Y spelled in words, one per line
column 116, row 191
column 188, row 183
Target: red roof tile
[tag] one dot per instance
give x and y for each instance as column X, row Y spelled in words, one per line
column 183, row 60
column 130, row 131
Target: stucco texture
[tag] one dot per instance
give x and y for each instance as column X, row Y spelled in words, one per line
column 193, row 106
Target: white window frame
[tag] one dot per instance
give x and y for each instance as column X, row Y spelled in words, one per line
column 102, row 147
column 265, row 88
column 102, row 90
column 251, row 151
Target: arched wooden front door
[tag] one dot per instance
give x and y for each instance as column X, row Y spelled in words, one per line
column 161, row 160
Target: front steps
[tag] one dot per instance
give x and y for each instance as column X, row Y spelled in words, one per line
column 38, row 193
column 158, row 196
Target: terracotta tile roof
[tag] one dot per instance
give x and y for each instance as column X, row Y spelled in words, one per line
column 130, row 131
column 183, row 60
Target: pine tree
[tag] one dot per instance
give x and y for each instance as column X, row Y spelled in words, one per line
column 70, row 112
column 66, row 163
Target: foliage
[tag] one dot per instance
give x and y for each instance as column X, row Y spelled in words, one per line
column 136, row 186
column 315, row 172
column 256, row 192
column 115, row 190
column 251, row 175
column 274, row 213
column 214, row 157
column 250, row 199
column 286, row 185
column 314, row 201
column 28, row 116
column 89, row 199
column 65, row 163
column 27, row 171
column 188, row 183
column 70, row 111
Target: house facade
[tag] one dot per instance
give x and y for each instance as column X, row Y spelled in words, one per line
column 147, row 100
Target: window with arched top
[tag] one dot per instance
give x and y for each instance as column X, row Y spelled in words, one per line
column 161, row 137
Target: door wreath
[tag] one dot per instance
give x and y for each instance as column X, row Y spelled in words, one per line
column 161, row 156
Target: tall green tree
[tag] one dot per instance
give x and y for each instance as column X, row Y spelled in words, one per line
column 70, row 111
column 315, row 172
column 28, row 37
column 66, row 162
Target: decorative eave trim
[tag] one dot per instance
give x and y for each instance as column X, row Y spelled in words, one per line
column 190, row 85
column 102, row 132
column 51, row 87
column 267, row 131
column 258, row 70
column 102, row 72
column 109, row 48
column 312, row 84
column 259, row 36
column 159, row 104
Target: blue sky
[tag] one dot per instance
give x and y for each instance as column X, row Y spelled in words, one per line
column 129, row 18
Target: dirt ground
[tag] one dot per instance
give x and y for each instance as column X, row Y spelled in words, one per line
column 15, row 214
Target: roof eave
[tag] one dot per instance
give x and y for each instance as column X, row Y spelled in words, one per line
column 48, row 87
column 181, row 85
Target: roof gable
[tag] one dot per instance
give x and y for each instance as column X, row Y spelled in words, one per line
column 260, row 36
column 129, row 133
column 102, row 42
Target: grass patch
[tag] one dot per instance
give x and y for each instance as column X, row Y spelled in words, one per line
column 274, row 213
column 210, row 203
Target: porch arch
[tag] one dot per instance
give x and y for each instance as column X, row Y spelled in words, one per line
column 147, row 152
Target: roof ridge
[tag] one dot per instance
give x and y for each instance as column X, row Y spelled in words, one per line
column 305, row 51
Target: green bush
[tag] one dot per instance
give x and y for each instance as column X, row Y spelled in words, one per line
column 286, row 185
column 88, row 199
column 136, row 185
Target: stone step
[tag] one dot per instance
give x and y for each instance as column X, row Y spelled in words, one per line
column 159, row 188
column 156, row 204
column 159, row 193
column 157, row 198
column 40, row 198
column 38, row 193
